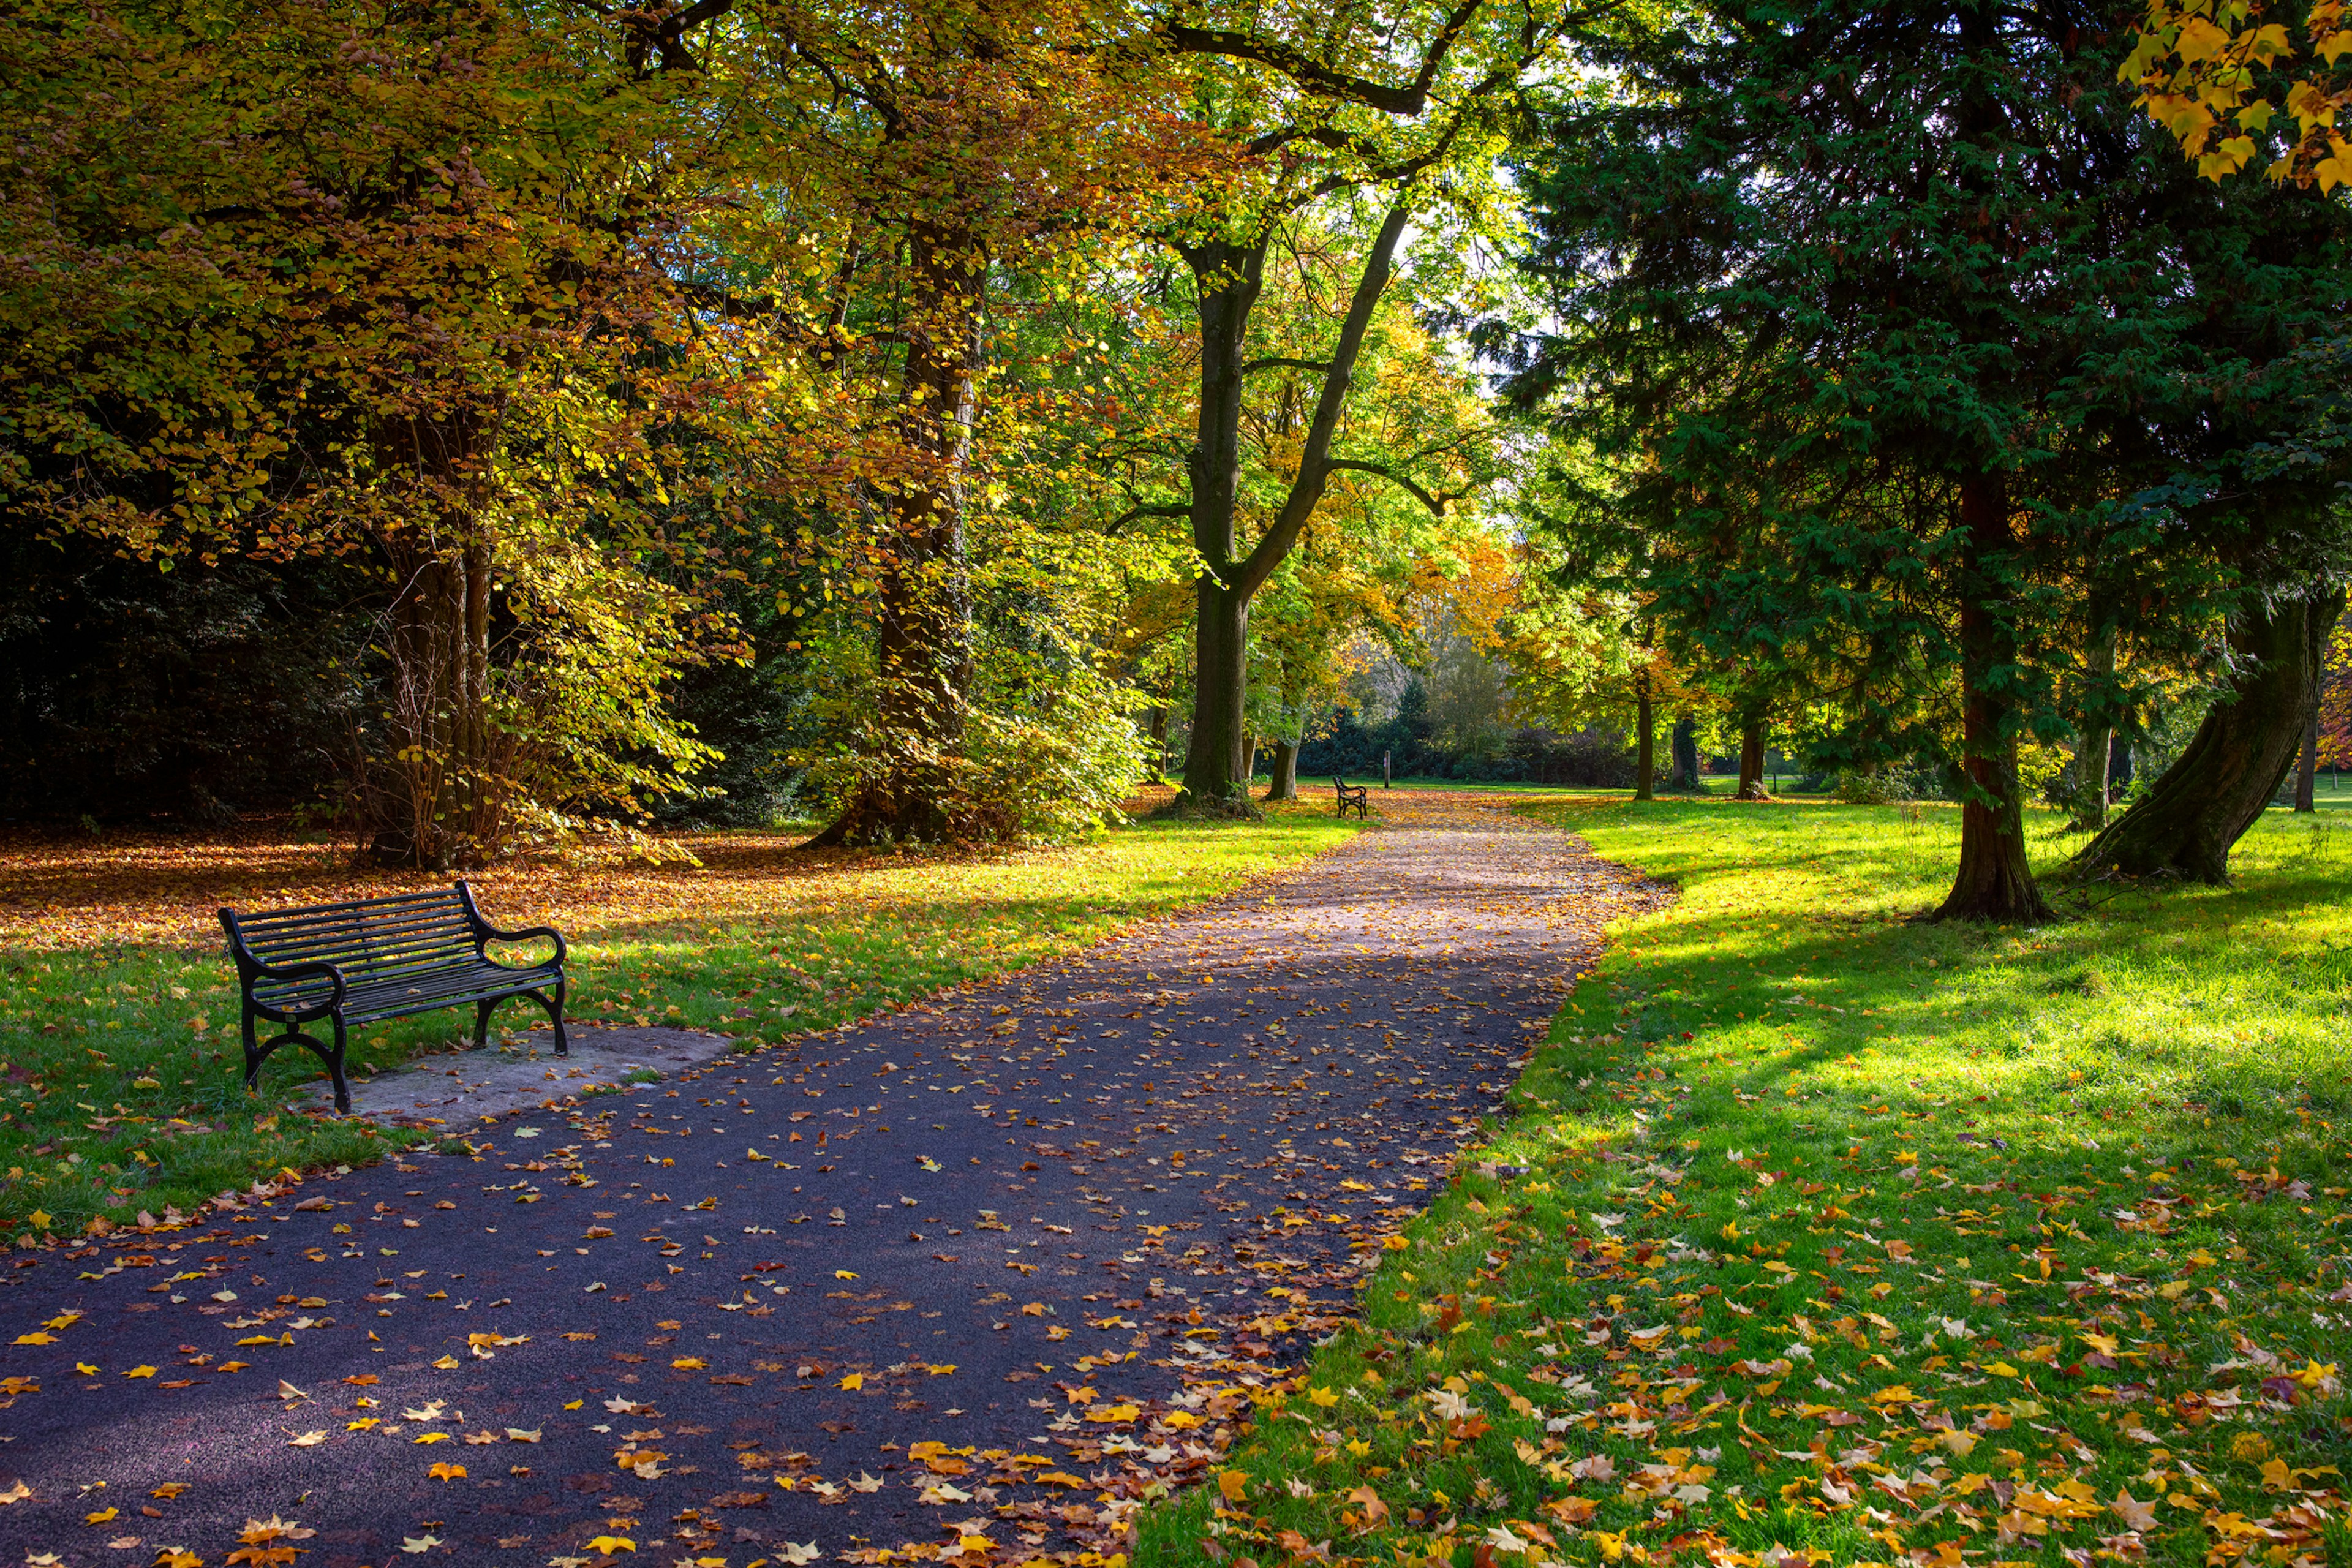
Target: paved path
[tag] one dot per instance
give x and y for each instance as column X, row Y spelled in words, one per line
column 1060, row 1225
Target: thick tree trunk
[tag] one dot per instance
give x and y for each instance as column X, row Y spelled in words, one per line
column 1228, row 276
column 2306, row 774
column 437, row 796
column 922, row 641
column 1751, row 762
column 1645, row 740
column 1684, row 742
column 1994, row 881
column 2092, row 750
column 1284, row 784
column 2191, row 816
column 1220, row 690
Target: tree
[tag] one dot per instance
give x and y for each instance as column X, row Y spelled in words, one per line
column 398, row 287
column 1319, row 122
column 928, row 164
column 1825, row 268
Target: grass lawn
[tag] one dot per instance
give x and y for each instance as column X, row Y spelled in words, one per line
column 1818, row 1233
column 120, row 1068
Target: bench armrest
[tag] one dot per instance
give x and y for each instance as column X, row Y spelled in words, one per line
column 250, row 968
column 489, row 932
column 257, row 970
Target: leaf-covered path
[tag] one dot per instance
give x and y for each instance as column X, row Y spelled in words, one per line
column 971, row 1279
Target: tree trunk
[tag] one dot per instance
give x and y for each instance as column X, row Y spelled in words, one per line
column 2092, row 750
column 1157, row 728
column 2307, row 776
column 1994, row 881
column 1285, row 785
column 1684, row 742
column 1645, row 740
column 1228, row 276
column 922, row 642
column 1751, row 762
column 437, row 796
column 2191, row 816
column 1220, row 690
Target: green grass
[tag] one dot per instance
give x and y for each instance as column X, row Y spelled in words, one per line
column 1864, row 1238
column 121, row 1069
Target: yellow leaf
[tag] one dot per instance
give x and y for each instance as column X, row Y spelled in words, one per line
column 2000, row 1369
column 843, row 1274
column 2201, row 40
column 84, row 1368
column 431, row 1437
column 447, row 1472
column 689, row 1363
column 446, row 1362
column 101, row 1516
column 853, row 1381
column 36, row 1338
column 140, row 1371
column 1234, row 1484
column 608, row 1544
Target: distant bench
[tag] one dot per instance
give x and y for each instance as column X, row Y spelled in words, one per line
column 1357, row 798
column 367, row 959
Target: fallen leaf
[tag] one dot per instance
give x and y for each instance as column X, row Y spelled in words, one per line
column 307, row 1440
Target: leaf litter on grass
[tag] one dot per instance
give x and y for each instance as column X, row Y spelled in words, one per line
column 1792, row 1254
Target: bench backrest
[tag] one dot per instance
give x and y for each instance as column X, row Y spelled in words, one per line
column 367, row 939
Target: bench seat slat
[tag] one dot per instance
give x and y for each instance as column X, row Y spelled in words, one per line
column 378, row 1000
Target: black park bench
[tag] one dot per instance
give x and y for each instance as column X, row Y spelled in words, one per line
column 366, row 960
column 1357, row 798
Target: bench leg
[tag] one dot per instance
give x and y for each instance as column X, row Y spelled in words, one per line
column 482, row 1011
column 253, row 1054
column 335, row 1070
column 554, row 1006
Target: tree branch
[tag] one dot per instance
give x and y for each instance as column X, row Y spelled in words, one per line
column 1314, row 463
column 1169, row 510
column 1436, row 504
column 1277, row 360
